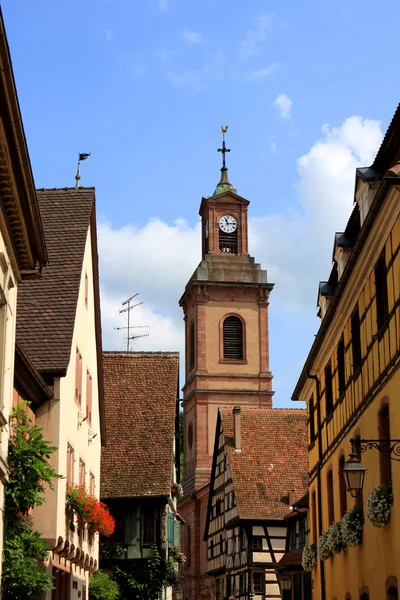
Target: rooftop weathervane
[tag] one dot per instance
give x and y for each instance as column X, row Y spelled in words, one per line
column 81, row 156
column 224, row 149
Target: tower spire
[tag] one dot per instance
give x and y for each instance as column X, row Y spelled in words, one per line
column 224, row 183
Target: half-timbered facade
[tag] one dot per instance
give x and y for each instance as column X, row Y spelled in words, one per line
column 260, row 460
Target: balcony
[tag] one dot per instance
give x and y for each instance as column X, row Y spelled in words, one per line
column 119, row 551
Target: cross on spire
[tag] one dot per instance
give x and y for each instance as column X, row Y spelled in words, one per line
column 224, row 149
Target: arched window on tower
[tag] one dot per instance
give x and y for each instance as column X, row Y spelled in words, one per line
column 191, row 346
column 233, row 338
column 384, row 435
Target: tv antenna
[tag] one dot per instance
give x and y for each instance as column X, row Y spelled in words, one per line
column 128, row 307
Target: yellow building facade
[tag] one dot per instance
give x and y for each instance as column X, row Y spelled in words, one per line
column 351, row 383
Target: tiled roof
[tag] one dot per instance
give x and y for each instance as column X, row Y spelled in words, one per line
column 140, row 390
column 47, row 305
column 273, row 461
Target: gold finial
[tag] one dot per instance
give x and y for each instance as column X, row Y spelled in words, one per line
column 224, row 128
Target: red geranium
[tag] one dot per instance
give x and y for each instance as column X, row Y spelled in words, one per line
column 90, row 511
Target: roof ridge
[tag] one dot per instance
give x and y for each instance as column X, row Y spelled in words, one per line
column 143, row 353
column 63, row 189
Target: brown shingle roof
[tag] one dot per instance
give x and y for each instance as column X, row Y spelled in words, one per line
column 47, row 305
column 273, row 461
column 141, row 390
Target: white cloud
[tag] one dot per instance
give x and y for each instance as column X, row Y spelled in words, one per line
column 284, row 106
column 193, row 37
column 163, row 5
column 256, row 37
column 260, row 74
column 109, row 35
column 195, row 81
column 294, row 246
column 274, row 148
column 133, row 62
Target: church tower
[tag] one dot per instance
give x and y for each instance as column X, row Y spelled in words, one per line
column 225, row 305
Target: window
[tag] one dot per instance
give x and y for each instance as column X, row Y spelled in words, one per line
column 242, row 583
column 89, row 398
column 314, row 517
column 342, row 487
column 78, row 378
column 307, row 594
column 256, row 543
column 328, row 390
column 92, row 486
column 188, row 552
column 331, row 512
column 70, row 464
column 292, row 535
column 311, row 417
column 384, row 435
column 233, row 338
column 382, row 309
column 191, row 346
column 392, row 594
column 82, row 472
column 149, row 529
column 341, row 367
column 356, row 340
column 86, row 290
column 258, row 583
column 302, row 533
column 190, row 435
column 364, row 596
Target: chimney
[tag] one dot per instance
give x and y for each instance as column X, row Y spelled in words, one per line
column 237, row 436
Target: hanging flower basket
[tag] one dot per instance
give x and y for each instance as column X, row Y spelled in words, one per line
column 337, row 544
column 324, row 546
column 379, row 505
column 176, row 555
column 177, row 491
column 309, row 557
column 89, row 511
column 351, row 525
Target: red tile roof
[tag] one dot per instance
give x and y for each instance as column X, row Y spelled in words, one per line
column 47, row 305
column 273, row 461
column 141, row 390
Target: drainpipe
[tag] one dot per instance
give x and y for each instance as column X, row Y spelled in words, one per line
column 319, row 485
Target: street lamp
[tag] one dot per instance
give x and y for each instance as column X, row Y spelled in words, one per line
column 286, row 582
column 178, row 592
column 354, row 471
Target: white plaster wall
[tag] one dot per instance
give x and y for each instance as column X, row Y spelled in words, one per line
column 7, row 352
column 59, row 419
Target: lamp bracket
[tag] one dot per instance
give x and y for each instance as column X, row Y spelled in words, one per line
column 390, row 448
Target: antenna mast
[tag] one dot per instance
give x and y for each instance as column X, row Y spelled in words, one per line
column 127, row 310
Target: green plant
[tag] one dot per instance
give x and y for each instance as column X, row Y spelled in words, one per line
column 351, row 525
column 23, row 577
column 324, row 546
column 145, row 581
column 379, row 505
column 309, row 557
column 335, row 538
column 102, row 587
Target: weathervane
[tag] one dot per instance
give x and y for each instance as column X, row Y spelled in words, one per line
column 81, row 156
column 224, row 149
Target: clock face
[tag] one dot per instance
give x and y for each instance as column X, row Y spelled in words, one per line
column 228, row 224
column 206, row 229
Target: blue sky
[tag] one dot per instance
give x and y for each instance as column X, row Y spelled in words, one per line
column 307, row 89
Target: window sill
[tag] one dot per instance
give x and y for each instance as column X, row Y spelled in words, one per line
column 233, row 361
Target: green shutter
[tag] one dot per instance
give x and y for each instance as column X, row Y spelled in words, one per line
column 170, row 530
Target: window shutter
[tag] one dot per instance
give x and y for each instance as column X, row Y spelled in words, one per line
column 89, row 398
column 170, row 530
column 233, row 338
column 177, row 533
